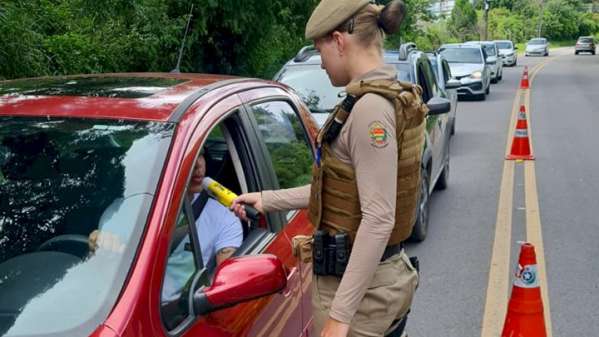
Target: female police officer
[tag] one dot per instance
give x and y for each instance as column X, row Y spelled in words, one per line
column 365, row 177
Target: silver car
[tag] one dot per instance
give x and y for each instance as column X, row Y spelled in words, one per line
column 537, row 46
column 494, row 60
column 508, row 51
column 468, row 65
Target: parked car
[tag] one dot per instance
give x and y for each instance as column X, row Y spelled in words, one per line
column 585, row 44
column 304, row 74
column 446, row 82
column 537, row 46
column 468, row 65
column 494, row 59
column 508, row 51
column 81, row 153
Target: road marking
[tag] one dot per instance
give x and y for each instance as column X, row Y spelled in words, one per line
column 499, row 271
column 534, row 232
column 534, row 235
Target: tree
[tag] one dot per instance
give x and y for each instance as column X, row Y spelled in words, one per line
column 462, row 22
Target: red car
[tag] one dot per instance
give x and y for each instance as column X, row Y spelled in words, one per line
column 85, row 153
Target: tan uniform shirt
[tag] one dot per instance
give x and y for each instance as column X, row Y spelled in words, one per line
column 375, row 164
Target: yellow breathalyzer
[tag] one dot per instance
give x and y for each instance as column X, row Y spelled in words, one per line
column 225, row 196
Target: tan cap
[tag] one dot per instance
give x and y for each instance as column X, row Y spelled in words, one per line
column 329, row 14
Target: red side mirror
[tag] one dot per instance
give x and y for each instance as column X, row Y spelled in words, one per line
column 239, row 280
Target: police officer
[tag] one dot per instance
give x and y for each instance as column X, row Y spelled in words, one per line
column 366, row 175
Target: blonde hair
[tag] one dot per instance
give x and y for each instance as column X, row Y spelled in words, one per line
column 372, row 22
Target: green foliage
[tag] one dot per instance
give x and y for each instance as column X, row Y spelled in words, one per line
column 462, row 22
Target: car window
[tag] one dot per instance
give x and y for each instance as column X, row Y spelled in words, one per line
column 427, row 93
column 504, row 45
column 204, row 228
column 585, row 40
column 462, row 55
column 313, row 85
column 73, row 205
column 285, row 140
column 446, row 70
column 403, row 72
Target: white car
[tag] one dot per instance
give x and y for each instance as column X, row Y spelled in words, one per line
column 493, row 59
column 538, row 46
column 468, row 65
column 508, row 51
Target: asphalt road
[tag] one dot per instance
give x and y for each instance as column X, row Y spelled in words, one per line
column 455, row 258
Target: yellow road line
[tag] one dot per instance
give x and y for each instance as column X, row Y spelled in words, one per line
column 534, row 232
column 498, row 286
column 534, row 235
column 499, row 271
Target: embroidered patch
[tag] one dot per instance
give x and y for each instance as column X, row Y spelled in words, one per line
column 379, row 137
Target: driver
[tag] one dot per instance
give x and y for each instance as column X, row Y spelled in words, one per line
column 219, row 231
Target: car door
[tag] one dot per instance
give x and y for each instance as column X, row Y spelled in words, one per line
column 275, row 315
column 437, row 124
column 288, row 155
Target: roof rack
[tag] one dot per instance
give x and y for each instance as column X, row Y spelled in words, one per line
column 305, row 53
column 405, row 49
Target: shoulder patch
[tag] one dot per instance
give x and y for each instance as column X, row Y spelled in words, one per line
column 378, row 134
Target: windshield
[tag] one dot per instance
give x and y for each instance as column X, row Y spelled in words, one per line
column 462, row 55
column 314, row 87
column 60, row 181
column 536, row 41
column 490, row 49
column 504, row 45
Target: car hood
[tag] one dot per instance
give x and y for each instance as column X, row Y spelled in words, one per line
column 506, row 51
column 464, row 69
column 536, row 47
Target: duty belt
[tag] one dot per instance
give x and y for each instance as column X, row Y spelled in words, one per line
column 331, row 253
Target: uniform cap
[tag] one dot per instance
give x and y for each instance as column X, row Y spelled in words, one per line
column 330, row 14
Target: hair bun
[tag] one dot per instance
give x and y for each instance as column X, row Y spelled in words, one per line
column 391, row 16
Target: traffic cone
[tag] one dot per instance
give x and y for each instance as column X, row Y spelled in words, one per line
column 524, row 81
column 520, row 143
column 525, row 310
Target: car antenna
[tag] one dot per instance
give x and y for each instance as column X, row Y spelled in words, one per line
column 177, row 67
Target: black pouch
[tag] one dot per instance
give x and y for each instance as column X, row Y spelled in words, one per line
column 342, row 252
column 319, row 260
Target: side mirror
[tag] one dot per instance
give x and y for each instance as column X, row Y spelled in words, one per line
column 239, row 280
column 491, row 60
column 452, row 83
column 438, row 105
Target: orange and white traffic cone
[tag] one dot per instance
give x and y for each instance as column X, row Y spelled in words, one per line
column 521, row 144
column 524, row 81
column 525, row 310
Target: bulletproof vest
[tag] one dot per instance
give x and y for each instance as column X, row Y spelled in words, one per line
column 334, row 199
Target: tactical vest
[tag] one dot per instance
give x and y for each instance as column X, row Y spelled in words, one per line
column 334, row 200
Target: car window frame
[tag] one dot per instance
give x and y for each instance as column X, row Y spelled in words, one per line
column 278, row 219
column 228, row 119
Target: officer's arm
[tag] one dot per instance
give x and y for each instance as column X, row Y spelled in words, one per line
column 287, row 199
column 373, row 149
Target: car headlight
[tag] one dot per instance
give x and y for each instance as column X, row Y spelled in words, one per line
column 476, row 75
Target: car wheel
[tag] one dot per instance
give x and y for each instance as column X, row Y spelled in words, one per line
column 488, row 90
column 422, row 213
column 500, row 77
column 575, row 53
column 443, row 180
column 452, row 132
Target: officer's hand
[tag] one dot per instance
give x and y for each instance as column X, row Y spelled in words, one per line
column 334, row 328
column 250, row 199
column 105, row 241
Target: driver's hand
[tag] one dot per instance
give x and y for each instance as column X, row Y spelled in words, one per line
column 105, row 241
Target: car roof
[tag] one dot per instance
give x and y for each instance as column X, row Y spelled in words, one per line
column 461, row 45
column 313, row 58
column 134, row 96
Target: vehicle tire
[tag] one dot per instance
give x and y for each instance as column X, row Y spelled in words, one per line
column 500, row 77
column 443, row 180
column 575, row 53
column 423, row 209
column 452, row 132
column 480, row 97
column 488, row 91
